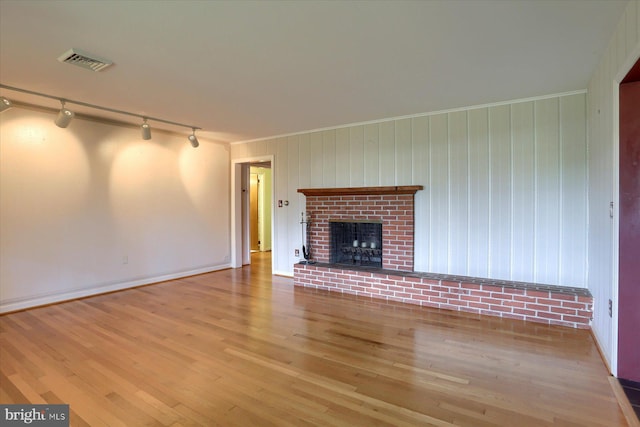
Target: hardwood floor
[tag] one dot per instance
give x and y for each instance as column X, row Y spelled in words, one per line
column 242, row 347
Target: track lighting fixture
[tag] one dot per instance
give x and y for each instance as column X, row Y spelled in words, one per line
column 64, row 116
column 5, row 104
column 193, row 140
column 146, row 130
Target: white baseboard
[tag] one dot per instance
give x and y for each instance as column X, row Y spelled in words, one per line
column 39, row 300
column 283, row 273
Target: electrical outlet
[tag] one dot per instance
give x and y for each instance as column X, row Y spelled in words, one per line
column 297, row 252
column 610, row 308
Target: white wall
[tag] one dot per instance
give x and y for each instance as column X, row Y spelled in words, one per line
column 505, row 185
column 622, row 52
column 93, row 208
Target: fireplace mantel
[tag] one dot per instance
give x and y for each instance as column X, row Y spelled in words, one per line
column 361, row 191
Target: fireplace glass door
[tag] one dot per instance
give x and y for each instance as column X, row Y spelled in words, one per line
column 355, row 243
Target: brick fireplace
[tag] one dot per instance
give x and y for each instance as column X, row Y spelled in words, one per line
column 397, row 280
column 392, row 206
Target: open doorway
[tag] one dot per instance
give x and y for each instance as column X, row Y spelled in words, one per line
column 251, row 230
column 260, row 207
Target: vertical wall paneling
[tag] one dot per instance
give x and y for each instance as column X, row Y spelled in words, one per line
column 548, row 206
column 458, row 192
column 356, row 156
column 304, row 155
column 343, row 175
column 478, row 247
column 523, row 191
column 500, row 192
column 329, row 158
column 601, row 170
column 420, row 169
column 439, row 176
column 573, row 239
column 403, row 152
column 316, row 160
column 371, row 159
column 387, row 153
column 281, row 237
column 296, row 203
column 505, row 186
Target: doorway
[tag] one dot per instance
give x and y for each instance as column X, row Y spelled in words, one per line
column 628, row 363
column 241, row 215
column 260, row 207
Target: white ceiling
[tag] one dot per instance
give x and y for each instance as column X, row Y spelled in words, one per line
column 249, row 69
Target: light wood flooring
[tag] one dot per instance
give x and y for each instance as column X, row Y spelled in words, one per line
column 244, row 348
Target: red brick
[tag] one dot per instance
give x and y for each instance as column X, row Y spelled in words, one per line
column 564, row 297
column 524, row 298
column 513, row 316
column 541, row 294
column 513, row 304
column 561, row 310
column 501, row 296
column 524, row 312
column 538, row 307
column 576, row 305
column 491, row 301
column 546, row 301
column 478, row 305
column 500, row 308
column 575, row 319
column 549, row 315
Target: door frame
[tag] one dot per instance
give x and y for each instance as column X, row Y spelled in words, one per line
column 615, row 273
column 240, row 247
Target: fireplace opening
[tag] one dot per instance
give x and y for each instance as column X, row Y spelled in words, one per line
column 355, row 243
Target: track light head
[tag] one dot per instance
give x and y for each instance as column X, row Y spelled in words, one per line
column 193, row 140
column 64, row 116
column 5, row 104
column 146, row 130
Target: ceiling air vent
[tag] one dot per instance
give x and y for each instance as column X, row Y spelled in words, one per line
column 84, row 60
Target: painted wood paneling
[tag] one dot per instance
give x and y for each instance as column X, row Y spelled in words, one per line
column 371, row 156
column 329, row 158
column 316, row 161
column 523, row 192
column 387, row 153
column 403, row 151
column 573, row 178
column 601, row 169
column 439, row 178
column 505, row 186
column 500, row 192
column 548, row 207
column 479, row 203
column 420, row 169
column 343, row 157
column 356, row 156
column 458, row 145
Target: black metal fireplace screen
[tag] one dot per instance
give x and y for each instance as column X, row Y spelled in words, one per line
column 355, row 243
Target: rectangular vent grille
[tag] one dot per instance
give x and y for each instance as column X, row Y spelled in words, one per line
column 84, row 60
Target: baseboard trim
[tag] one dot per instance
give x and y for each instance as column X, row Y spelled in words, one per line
column 19, row 304
column 625, row 405
column 602, row 356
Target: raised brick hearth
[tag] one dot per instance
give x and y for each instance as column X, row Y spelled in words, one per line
column 397, row 281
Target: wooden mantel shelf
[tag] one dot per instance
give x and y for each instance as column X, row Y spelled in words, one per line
column 361, row 191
